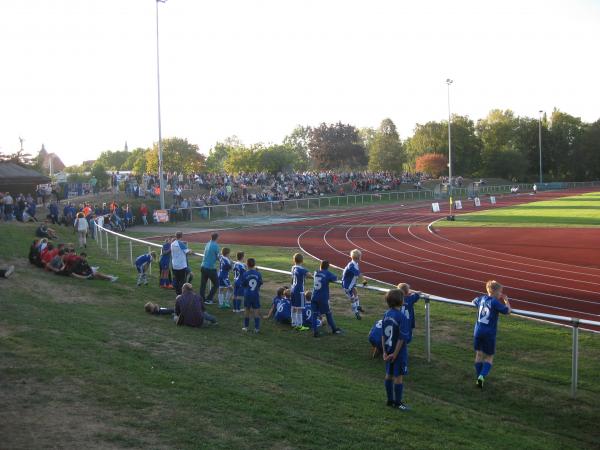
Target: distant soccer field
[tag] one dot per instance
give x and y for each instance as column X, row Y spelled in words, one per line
column 577, row 211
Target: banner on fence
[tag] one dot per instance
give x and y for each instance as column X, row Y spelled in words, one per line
column 458, row 204
column 477, row 202
column 435, row 207
column 493, row 200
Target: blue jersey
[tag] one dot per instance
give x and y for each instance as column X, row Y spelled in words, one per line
column 143, row 259
column 488, row 309
column 396, row 326
column 283, row 312
column 350, row 275
column 252, row 281
column 238, row 272
column 409, row 304
column 224, row 267
column 165, row 256
column 321, row 286
column 276, row 301
column 298, row 276
column 376, row 333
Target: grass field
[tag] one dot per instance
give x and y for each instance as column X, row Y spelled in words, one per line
column 577, row 211
column 81, row 365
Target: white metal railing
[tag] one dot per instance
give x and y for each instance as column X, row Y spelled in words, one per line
column 101, row 236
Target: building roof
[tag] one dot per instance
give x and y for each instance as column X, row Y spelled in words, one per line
column 15, row 174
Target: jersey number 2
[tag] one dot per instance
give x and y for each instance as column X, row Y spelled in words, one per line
column 388, row 331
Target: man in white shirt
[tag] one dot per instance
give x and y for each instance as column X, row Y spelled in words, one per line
column 179, row 263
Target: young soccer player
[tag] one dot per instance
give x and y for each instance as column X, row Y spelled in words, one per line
column 484, row 334
column 283, row 313
column 375, row 338
column 410, row 298
column 279, row 297
column 320, row 298
column 165, row 265
column 350, row 278
column 225, row 289
column 394, row 340
column 238, row 291
column 252, row 281
column 142, row 263
column 299, row 274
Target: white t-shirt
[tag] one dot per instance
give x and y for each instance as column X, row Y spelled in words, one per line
column 82, row 224
column 178, row 259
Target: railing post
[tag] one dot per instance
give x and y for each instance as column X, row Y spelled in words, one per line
column 271, row 208
column 226, row 210
column 209, row 208
column 574, row 357
column 296, row 203
column 131, row 252
column 308, row 203
column 257, row 211
column 338, row 201
column 428, row 328
column 107, row 249
column 319, row 202
column 117, row 248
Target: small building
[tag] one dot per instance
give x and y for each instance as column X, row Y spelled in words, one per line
column 18, row 179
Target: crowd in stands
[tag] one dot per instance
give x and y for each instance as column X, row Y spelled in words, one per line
column 20, row 207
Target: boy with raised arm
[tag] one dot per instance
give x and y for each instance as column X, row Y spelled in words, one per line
column 486, row 326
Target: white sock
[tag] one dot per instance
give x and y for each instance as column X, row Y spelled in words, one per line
column 355, row 306
column 220, row 296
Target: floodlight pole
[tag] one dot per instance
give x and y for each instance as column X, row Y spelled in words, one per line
column 540, row 141
column 160, row 153
column 449, row 82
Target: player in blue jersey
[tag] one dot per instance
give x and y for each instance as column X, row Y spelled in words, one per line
column 394, row 340
column 410, row 298
column 320, row 298
column 283, row 313
column 142, row 264
column 251, row 282
column 225, row 288
column 484, row 334
column 299, row 274
column 279, row 297
column 164, row 263
column 375, row 338
column 350, row 278
column 238, row 291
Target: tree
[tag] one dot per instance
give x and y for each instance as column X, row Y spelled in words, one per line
column 136, row 161
column 431, row 137
column 367, row 136
column 240, row 159
column 336, row 146
column 99, row 172
column 297, row 142
column 217, row 156
column 589, row 153
column 386, row 151
column 561, row 152
column 434, row 164
column 178, row 156
column 113, row 160
column 278, row 158
column 20, row 157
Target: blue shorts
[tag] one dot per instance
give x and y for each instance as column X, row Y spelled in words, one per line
column 238, row 291
column 224, row 282
column 141, row 269
column 297, row 299
column 320, row 306
column 485, row 343
column 400, row 366
column 253, row 303
column 349, row 293
column 376, row 343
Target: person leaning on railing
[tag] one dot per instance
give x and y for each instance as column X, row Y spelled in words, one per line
column 208, row 269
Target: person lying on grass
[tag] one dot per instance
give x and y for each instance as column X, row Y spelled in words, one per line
column 157, row 310
column 82, row 270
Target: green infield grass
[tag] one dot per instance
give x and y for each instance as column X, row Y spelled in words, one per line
column 577, row 211
column 83, row 366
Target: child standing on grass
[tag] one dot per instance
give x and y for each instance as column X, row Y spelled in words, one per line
column 410, row 298
column 238, row 290
column 225, row 289
column 142, row 264
column 486, row 326
column 298, row 277
column 164, row 264
column 252, row 281
column 395, row 338
column 320, row 298
column 350, row 278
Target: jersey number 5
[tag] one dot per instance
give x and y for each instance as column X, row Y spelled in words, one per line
column 318, row 284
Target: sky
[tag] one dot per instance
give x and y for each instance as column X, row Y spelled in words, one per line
column 79, row 76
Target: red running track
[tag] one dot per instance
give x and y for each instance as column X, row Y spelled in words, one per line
column 545, row 270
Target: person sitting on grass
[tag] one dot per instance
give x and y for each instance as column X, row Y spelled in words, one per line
column 157, row 310
column 486, row 326
column 252, row 282
column 142, row 264
column 43, row 231
column 34, row 253
column 283, row 313
column 57, row 265
column 6, row 272
column 189, row 308
column 375, row 339
column 82, row 270
column 279, row 297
